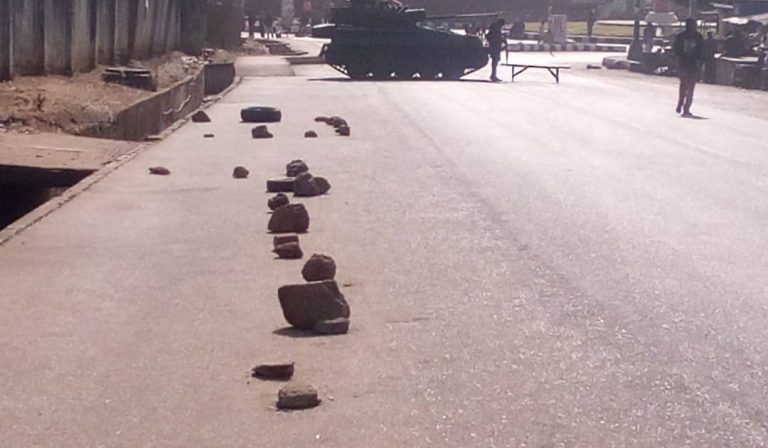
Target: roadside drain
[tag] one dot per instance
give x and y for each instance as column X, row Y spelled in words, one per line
column 23, row 189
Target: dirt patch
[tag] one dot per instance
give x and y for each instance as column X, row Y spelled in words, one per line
column 32, row 104
column 252, row 47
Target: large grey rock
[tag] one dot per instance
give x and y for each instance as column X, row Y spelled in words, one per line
column 305, row 305
column 296, row 167
column 291, row 218
column 297, row 396
column 318, row 268
column 307, row 185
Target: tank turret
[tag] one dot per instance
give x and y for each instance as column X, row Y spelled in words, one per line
column 384, row 39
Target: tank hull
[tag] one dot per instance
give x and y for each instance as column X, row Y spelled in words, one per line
column 415, row 52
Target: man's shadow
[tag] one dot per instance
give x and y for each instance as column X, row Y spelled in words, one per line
column 694, row 117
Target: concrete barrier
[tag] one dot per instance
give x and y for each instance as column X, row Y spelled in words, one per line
column 152, row 115
column 218, row 77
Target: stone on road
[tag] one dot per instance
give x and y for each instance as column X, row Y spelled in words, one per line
column 307, row 185
column 304, row 305
column 277, row 200
column 279, row 371
column 296, row 167
column 289, row 251
column 291, row 218
column 240, row 172
column 297, row 397
column 318, row 268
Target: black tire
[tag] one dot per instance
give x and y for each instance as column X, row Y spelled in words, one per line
column 261, row 115
column 280, row 185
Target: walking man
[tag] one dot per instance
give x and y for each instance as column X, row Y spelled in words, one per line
column 689, row 49
column 591, row 19
column 495, row 40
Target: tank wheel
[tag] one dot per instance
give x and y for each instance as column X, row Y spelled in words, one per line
column 382, row 73
column 453, row 74
column 405, row 73
column 428, row 73
column 357, row 72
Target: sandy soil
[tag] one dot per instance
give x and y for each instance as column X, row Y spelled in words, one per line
column 33, row 104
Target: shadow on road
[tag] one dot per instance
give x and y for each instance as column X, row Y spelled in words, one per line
column 341, row 79
column 295, row 333
column 694, row 117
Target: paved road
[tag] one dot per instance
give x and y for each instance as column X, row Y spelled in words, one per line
column 529, row 265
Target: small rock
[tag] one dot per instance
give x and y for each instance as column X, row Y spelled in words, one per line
column 304, row 305
column 200, row 117
column 332, row 327
column 594, row 67
column 280, row 185
column 241, row 172
column 160, row 171
column 289, row 251
column 318, row 268
column 208, row 136
column 310, row 134
column 284, row 239
column 261, row 132
column 336, row 122
column 281, row 372
column 291, row 218
column 296, row 167
column 297, row 396
column 307, row 185
column 278, row 201
column 344, row 131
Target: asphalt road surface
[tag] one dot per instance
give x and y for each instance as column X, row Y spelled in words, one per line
column 528, row 265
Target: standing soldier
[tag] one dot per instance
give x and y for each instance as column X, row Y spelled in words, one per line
column 689, row 49
column 495, row 40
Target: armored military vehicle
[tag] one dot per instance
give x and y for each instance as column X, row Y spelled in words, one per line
column 383, row 39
